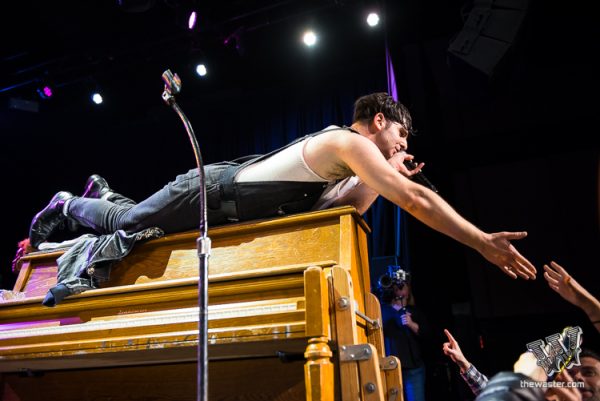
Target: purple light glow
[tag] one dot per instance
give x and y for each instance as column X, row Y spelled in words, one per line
column 47, row 91
column 65, row 321
column 192, row 20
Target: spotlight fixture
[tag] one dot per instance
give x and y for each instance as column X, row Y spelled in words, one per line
column 201, row 70
column 192, row 20
column 373, row 19
column 97, row 98
column 45, row 92
column 186, row 13
column 309, row 38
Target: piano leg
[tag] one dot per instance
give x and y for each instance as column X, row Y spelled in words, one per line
column 318, row 369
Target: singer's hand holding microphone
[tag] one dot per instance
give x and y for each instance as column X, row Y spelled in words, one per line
column 398, row 161
column 404, row 164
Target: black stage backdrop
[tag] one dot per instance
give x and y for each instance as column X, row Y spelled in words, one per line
column 514, row 151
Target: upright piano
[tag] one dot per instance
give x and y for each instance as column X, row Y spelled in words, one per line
column 290, row 317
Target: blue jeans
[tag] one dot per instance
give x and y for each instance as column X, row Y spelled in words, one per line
column 414, row 384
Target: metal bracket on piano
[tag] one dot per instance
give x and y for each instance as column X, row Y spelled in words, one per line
column 344, row 303
column 357, row 352
column 374, row 323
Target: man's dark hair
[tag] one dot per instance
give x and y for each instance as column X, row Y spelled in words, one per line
column 367, row 106
column 586, row 352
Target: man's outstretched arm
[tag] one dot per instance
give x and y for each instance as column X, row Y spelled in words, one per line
column 365, row 159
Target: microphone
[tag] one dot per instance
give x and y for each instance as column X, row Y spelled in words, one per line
column 419, row 178
column 172, row 82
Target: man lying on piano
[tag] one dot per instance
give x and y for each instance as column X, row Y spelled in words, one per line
column 336, row 166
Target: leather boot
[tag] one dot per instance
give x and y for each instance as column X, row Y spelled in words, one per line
column 95, row 187
column 49, row 219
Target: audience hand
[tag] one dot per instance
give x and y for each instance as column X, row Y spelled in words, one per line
column 452, row 349
column 564, row 284
column 569, row 289
column 527, row 365
column 564, row 393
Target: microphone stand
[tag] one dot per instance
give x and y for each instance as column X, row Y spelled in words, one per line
column 172, row 88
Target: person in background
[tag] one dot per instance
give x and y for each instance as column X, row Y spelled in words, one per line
column 404, row 329
column 588, row 373
column 510, row 386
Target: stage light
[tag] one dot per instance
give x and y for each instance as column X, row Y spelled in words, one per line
column 186, row 13
column 373, row 19
column 97, row 98
column 45, row 92
column 201, row 70
column 309, row 38
column 192, row 20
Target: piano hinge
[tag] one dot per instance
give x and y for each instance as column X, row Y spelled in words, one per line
column 357, row 352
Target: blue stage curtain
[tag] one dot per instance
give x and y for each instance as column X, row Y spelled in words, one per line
column 388, row 221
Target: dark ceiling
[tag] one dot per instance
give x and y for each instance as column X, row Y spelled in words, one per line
column 81, row 45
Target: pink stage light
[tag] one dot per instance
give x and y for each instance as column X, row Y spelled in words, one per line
column 192, row 20
column 45, row 92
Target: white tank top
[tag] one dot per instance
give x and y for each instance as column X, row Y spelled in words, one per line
column 289, row 165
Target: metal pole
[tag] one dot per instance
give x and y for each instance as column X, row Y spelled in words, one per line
column 173, row 87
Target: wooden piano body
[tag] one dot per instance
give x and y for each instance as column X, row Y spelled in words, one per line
column 291, row 317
